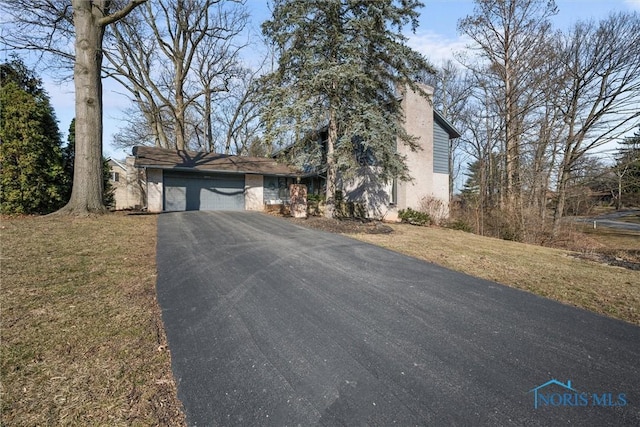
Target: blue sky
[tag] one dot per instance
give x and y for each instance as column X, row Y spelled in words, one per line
column 436, row 37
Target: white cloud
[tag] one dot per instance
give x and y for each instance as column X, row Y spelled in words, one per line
column 633, row 4
column 436, row 47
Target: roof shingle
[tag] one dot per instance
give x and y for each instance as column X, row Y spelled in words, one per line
column 179, row 160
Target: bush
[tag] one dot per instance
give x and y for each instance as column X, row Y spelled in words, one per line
column 316, row 197
column 348, row 209
column 436, row 208
column 461, row 225
column 414, row 217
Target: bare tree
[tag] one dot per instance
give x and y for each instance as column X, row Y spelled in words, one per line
column 541, row 137
column 175, row 57
column 238, row 114
column 49, row 26
column 482, row 144
column 507, row 34
column 600, row 101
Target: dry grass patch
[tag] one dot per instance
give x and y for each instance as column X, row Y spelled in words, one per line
column 82, row 338
column 551, row 273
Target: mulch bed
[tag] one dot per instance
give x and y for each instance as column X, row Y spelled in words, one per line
column 342, row 225
column 630, row 260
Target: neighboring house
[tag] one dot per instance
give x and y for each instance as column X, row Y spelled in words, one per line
column 428, row 167
column 128, row 188
column 185, row 180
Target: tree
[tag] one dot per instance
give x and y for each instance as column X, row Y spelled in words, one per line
column 509, row 36
column 68, row 160
column 599, row 102
column 32, row 178
column 49, row 26
column 176, row 58
column 627, row 171
column 341, row 66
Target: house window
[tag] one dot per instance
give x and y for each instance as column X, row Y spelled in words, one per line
column 115, row 176
column 394, row 192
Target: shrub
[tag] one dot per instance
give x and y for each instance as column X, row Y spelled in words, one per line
column 349, row 209
column 436, row 208
column 414, row 217
column 461, row 225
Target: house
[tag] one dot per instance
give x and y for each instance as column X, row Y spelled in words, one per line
column 428, row 167
column 128, row 188
column 185, row 180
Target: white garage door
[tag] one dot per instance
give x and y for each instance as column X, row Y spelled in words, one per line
column 189, row 192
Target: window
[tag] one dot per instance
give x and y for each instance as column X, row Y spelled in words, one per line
column 394, row 192
column 115, row 176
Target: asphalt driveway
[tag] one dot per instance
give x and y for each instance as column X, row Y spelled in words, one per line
column 273, row 324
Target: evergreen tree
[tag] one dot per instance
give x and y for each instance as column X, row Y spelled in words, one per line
column 32, row 177
column 68, row 159
column 341, row 65
column 627, row 169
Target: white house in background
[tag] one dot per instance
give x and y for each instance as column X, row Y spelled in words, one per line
column 128, row 185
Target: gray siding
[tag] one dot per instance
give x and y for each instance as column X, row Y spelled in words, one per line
column 276, row 188
column 440, row 149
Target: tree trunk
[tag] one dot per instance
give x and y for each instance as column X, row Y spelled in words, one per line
column 87, row 192
column 208, row 122
column 562, row 196
column 331, row 165
column 619, row 201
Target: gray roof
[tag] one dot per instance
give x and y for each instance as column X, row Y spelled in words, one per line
column 192, row 161
column 448, row 127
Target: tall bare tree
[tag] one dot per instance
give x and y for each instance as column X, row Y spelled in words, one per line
column 49, row 26
column 600, row 101
column 175, row 57
column 508, row 35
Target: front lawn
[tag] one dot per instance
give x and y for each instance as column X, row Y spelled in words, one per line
column 82, row 342
column 561, row 275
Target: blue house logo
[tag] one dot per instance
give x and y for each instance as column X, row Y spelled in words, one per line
column 565, row 395
column 546, row 398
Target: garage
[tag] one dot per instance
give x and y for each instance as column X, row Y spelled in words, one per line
column 179, row 180
column 205, row 192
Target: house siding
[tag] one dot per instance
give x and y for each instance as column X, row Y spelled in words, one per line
column 128, row 190
column 440, row 149
column 154, row 190
column 419, row 122
column 254, row 192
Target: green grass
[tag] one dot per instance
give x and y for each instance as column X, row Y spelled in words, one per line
column 82, row 338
